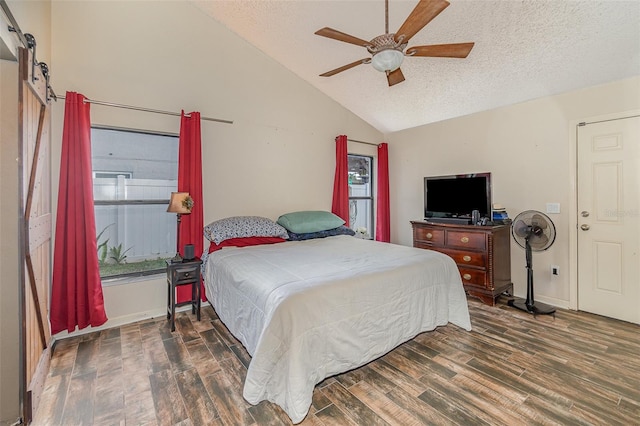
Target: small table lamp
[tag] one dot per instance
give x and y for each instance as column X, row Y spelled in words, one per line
column 180, row 203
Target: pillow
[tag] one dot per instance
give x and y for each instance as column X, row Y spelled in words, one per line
column 244, row 242
column 243, row 226
column 309, row 221
column 340, row 230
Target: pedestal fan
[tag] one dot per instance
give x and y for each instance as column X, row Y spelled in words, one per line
column 534, row 231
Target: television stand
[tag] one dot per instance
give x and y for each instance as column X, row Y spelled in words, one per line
column 482, row 254
column 451, row 220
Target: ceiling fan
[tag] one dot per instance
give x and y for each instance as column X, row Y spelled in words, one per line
column 388, row 49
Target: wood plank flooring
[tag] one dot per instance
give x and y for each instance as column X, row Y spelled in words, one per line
column 511, row 369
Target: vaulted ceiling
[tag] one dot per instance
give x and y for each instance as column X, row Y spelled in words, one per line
column 524, row 49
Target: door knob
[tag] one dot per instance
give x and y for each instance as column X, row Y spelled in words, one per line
column 585, row 227
column 585, row 213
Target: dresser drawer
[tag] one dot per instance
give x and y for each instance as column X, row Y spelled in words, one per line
column 471, row 258
column 466, row 239
column 475, row 277
column 433, row 236
column 481, row 254
column 186, row 273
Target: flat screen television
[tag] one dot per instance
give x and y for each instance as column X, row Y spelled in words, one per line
column 452, row 198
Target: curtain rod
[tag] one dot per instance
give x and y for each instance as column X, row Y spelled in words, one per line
column 366, row 143
column 136, row 108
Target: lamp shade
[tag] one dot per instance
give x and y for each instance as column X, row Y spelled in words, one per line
column 181, row 202
column 387, row 60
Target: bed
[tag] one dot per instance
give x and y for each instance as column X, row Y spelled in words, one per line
column 306, row 310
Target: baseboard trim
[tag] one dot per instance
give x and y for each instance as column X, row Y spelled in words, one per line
column 558, row 303
column 122, row 320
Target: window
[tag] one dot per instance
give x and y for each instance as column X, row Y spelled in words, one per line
column 134, row 174
column 361, row 194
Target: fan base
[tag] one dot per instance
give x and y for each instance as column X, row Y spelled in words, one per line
column 537, row 308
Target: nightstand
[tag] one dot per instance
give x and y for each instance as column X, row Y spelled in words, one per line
column 183, row 273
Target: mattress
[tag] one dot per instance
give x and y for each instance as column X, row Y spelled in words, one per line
column 307, row 310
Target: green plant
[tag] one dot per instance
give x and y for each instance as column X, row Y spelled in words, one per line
column 109, row 270
column 117, row 255
column 102, row 246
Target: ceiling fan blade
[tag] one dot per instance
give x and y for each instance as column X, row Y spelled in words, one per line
column 340, row 36
column 454, row 50
column 345, row 67
column 421, row 15
column 395, row 77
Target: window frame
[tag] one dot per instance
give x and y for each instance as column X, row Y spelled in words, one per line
column 371, row 197
column 127, row 175
column 124, row 278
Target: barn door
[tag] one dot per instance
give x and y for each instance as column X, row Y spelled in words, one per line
column 35, row 231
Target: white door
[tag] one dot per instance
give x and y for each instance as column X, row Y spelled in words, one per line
column 609, row 218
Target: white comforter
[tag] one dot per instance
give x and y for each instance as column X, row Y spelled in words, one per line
column 306, row 310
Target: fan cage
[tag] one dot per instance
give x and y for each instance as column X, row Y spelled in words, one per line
column 527, row 217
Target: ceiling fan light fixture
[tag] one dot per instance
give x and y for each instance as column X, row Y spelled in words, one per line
column 387, row 60
column 388, row 50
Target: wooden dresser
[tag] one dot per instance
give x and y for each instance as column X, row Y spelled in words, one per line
column 482, row 253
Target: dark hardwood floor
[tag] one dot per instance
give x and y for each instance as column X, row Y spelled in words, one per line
column 511, row 369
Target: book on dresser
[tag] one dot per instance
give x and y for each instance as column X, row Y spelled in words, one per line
column 482, row 254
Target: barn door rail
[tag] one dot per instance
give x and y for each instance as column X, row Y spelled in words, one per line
column 29, row 42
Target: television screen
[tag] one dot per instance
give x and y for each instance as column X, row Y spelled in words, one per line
column 456, row 196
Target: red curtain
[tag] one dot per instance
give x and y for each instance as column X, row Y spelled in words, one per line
column 76, row 290
column 190, row 180
column 383, row 232
column 340, row 204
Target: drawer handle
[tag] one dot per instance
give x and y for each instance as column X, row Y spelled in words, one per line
column 466, row 277
column 466, row 258
column 464, row 239
column 186, row 274
column 429, row 235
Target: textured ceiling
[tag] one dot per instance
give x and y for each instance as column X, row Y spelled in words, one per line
column 523, row 50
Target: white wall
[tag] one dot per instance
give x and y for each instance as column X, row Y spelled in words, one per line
column 527, row 149
column 278, row 156
column 9, row 266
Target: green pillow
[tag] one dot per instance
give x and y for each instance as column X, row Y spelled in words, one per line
column 309, row 221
